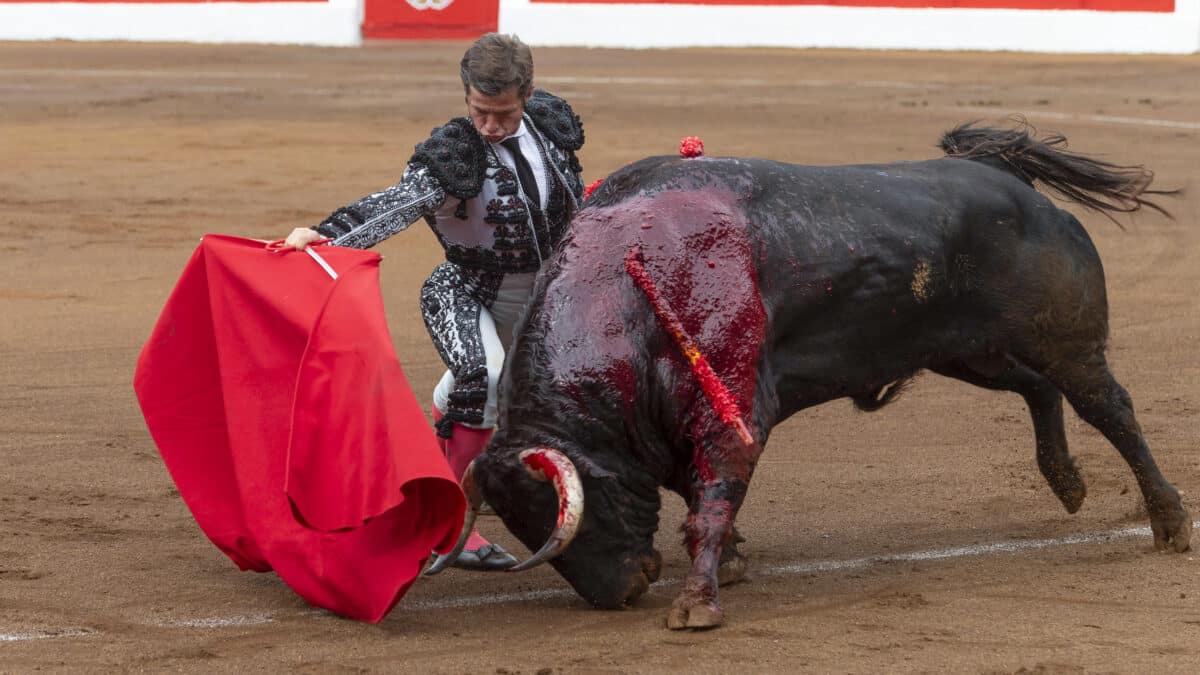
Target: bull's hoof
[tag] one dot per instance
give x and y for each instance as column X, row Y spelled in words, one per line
column 686, row 613
column 732, row 571
column 1071, row 495
column 1172, row 532
column 1068, row 486
column 652, row 565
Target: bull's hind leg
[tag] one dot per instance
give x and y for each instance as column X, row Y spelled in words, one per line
column 723, row 472
column 1045, row 407
column 1103, row 403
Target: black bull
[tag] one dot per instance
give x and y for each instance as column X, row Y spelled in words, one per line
column 796, row 285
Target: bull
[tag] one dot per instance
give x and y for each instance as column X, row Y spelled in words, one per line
column 697, row 303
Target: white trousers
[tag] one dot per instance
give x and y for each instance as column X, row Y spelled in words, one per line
column 496, row 326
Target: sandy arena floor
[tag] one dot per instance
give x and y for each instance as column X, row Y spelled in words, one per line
column 875, row 539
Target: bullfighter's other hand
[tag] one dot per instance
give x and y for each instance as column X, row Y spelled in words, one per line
column 301, row 237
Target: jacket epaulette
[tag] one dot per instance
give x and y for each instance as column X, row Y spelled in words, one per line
column 455, row 155
column 555, row 119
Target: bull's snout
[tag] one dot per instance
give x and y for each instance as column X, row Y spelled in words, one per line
column 639, row 574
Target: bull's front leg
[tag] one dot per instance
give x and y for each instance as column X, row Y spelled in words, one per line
column 707, row 528
column 724, row 474
column 734, row 566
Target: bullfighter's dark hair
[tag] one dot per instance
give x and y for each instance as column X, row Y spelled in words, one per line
column 1096, row 184
column 495, row 63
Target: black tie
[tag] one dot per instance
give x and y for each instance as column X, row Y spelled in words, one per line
column 525, row 174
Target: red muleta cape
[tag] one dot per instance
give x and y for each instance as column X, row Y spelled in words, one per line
column 276, row 400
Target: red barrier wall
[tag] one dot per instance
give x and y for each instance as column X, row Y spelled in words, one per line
column 1097, row 5
column 429, row 19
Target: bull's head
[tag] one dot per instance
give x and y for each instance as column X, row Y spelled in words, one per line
column 588, row 524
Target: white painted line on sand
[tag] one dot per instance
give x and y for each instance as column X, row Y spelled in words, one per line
column 47, row 635
column 1142, row 121
column 652, row 81
column 141, row 74
column 956, row 552
column 1004, row 547
column 816, row 566
column 732, row 82
column 216, row 622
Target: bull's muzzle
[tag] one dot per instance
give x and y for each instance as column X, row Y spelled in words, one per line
column 543, row 464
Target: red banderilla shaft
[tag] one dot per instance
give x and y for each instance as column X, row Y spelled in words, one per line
column 715, row 391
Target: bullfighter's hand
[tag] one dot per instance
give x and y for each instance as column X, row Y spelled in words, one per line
column 301, row 237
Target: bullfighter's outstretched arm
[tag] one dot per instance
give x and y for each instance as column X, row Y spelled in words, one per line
column 378, row 216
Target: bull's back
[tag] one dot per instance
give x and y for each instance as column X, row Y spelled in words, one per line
column 817, row 243
column 847, row 277
column 833, row 205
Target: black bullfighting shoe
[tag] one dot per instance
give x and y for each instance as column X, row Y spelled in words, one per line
column 489, row 557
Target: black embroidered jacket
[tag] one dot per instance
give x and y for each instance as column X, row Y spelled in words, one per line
column 455, row 180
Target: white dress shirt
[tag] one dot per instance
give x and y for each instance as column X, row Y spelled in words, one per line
column 533, row 155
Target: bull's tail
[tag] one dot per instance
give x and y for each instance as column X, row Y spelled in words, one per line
column 1094, row 183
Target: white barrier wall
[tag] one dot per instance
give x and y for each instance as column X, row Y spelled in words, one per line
column 711, row 25
column 325, row 22
column 641, row 25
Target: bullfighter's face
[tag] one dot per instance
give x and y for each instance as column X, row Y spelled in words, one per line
column 612, row 560
column 498, row 116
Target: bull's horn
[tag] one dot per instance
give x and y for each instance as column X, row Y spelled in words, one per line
column 474, row 501
column 550, row 464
